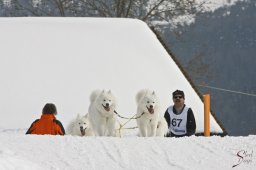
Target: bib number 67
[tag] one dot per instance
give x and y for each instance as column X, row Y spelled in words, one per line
column 176, row 122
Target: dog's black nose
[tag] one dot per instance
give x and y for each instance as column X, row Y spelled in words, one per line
column 107, row 104
column 151, row 106
column 81, row 127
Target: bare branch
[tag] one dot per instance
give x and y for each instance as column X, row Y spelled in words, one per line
column 129, row 8
column 151, row 10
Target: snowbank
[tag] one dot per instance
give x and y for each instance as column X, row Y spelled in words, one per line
column 67, row 152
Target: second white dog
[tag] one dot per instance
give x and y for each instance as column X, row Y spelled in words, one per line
column 147, row 112
column 80, row 127
column 101, row 113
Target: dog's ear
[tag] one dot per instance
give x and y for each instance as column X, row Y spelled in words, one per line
column 86, row 116
column 78, row 116
column 103, row 91
column 153, row 93
column 109, row 92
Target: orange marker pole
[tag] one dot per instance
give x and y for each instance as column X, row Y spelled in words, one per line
column 207, row 115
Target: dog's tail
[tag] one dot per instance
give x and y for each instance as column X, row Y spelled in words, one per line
column 141, row 94
column 162, row 127
column 94, row 95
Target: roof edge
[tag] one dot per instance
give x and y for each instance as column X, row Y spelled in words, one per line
column 187, row 77
column 213, row 134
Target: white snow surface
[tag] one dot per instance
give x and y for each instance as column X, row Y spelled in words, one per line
column 25, row 152
column 212, row 5
column 203, row 6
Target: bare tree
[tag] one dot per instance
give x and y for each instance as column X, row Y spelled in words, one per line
column 146, row 10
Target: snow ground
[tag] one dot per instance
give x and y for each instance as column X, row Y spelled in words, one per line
column 25, row 152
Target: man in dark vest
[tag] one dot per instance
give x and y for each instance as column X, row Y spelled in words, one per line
column 180, row 118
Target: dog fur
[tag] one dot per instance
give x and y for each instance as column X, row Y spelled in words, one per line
column 148, row 105
column 80, row 126
column 101, row 113
column 162, row 127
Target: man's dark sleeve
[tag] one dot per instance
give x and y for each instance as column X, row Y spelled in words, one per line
column 191, row 123
column 30, row 128
column 61, row 127
column 167, row 117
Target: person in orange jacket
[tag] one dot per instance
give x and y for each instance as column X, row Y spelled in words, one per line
column 47, row 124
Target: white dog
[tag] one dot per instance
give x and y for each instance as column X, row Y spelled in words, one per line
column 80, row 127
column 147, row 112
column 162, row 127
column 101, row 113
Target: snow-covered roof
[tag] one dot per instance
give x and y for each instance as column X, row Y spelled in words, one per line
column 62, row 60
